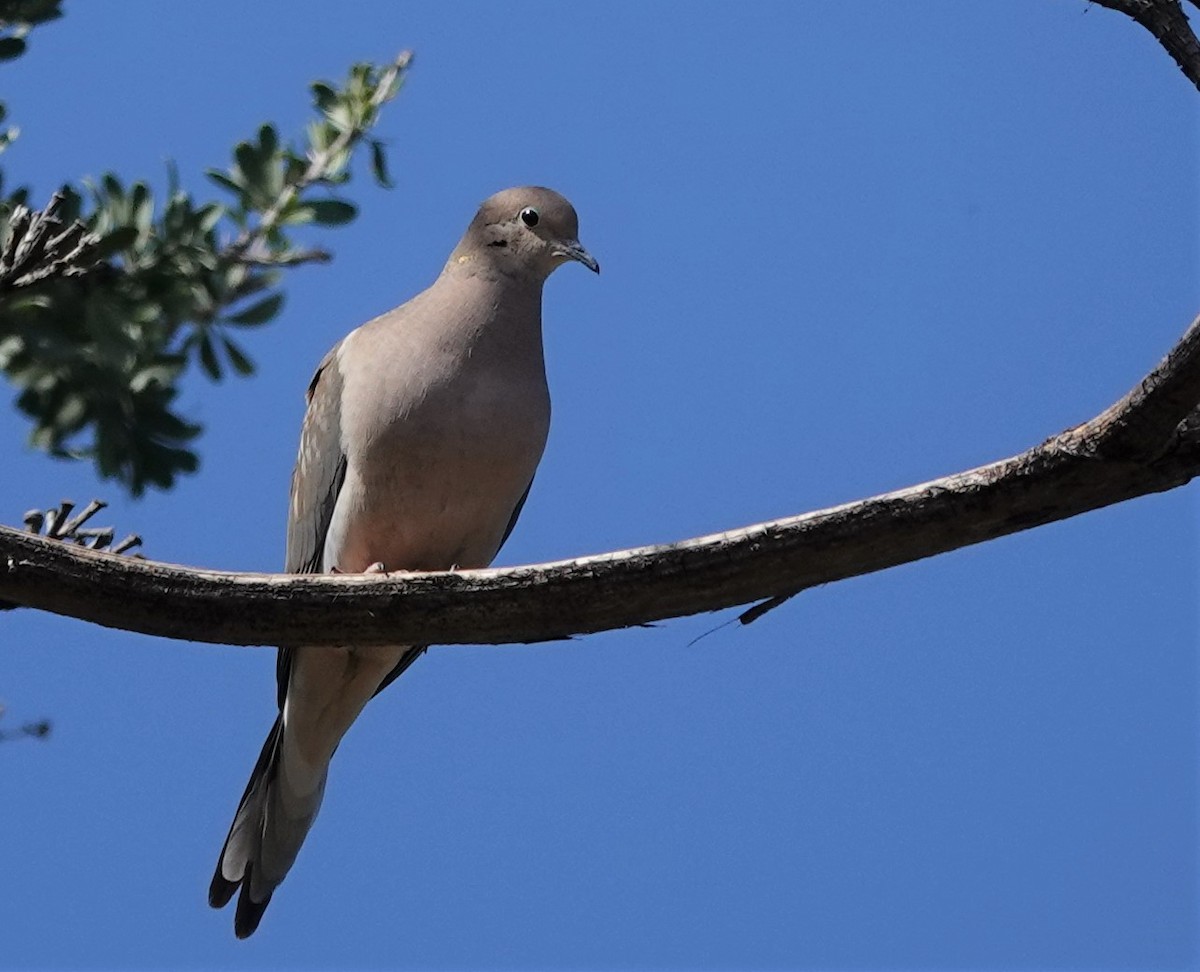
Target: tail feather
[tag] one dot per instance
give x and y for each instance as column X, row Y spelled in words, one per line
column 248, row 912
column 271, row 823
column 325, row 691
column 223, row 888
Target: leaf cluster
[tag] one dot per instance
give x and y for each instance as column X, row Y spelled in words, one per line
column 96, row 340
column 17, row 18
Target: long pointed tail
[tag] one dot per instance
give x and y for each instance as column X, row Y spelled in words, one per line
column 325, row 691
column 271, row 823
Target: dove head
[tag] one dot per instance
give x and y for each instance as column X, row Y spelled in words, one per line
column 522, row 233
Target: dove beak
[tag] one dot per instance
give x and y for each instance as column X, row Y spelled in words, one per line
column 573, row 250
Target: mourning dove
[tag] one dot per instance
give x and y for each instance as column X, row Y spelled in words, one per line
column 422, row 434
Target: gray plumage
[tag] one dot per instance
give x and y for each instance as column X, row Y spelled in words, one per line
column 423, row 431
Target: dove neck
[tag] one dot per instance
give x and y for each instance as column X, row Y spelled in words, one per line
column 507, row 310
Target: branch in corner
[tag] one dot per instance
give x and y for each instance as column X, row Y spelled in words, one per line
column 1169, row 24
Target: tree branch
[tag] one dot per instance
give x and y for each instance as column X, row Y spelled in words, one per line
column 260, row 258
column 245, row 247
column 1141, row 424
column 1166, row 20
column 1133, row 448
column 60, row 525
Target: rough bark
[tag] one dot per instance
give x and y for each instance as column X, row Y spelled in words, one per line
column 1166, row 20
column 1147, row 442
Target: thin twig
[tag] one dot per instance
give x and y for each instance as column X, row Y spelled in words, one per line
column 750, row 615
column 129, row 543
column 293, row 258
column 71, row 527
column 59, row 525
column 38, row 247
column 318, row 166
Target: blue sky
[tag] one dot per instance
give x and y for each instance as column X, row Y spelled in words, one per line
column 846, row 248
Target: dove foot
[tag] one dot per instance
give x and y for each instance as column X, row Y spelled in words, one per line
column 375, row 568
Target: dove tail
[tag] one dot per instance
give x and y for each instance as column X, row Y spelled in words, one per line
column 271, row 823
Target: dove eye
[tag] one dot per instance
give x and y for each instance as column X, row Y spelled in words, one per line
column 529, row 216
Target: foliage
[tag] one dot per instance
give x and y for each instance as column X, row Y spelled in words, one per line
column 109, row 295
column 17, row 17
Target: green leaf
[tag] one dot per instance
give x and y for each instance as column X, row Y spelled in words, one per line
column 26, row 302
column 142, row 207
column 268, row 140
column 121, row 238
column 165, row 424
column 260, row 312
column 71, row 207
column 112, row 185
column 379, row 164
column 71, row 413
column 225, row 182
column 30, row 13
column 208, row 357
column 251, row 165
column 297, row 214
column 294, row 167
column 341, row 118
column 237, row 357
column 331, row 212
column 210, row 215
column 324, row 95
column 162, row 374
column 184, row 460
column 11, row 47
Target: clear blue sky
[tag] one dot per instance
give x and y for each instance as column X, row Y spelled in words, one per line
column 846, row 248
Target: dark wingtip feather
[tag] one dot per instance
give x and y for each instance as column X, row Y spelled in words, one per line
column 249, row 912
column 220, row 891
